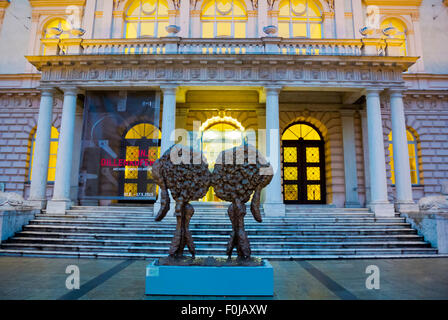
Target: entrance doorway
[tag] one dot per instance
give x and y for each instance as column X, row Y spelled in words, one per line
column 141, row 142
column 303, row 165
column 219, row 134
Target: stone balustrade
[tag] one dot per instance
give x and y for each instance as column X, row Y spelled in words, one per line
column 268, row 45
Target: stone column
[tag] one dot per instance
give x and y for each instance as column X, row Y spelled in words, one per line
column 61, row 193
column 358, row 17
column 168, row 127
column 403, row 185
column 106, row 28
column 339, row 14
column 365, row 152
column 261, row 140
column 195, row 24
column 251, row 24
column 350, row 169
column 377, row 160
column 273, row 205
column 184, row 22
column 168, row 117
column 42, row 150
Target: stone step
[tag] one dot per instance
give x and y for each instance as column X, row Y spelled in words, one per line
column 218, row 243
column 193, row 225
column 298, row 231
column 143, row 256
column 213, row 251
column 203, row 220
column 268, row 238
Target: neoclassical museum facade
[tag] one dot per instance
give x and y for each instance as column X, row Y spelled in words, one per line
column 347, row 98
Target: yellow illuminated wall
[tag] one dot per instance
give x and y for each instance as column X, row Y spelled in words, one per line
column 299, row 18
column 53, row 154
column 399, row 33
column 223, row 19
column 413, row 158
column 147, row 18
column 216, row 138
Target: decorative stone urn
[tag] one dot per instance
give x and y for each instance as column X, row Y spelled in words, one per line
column 55, row 32
column 270, row 30
column 389, row 31
column 172, row 30
column 78, row 32
column 366, row 31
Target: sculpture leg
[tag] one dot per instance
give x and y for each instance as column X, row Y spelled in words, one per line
column 176, row 248
column 188, row 212
column 243, row 241
column 233, row 236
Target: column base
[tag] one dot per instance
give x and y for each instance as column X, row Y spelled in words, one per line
column 382, row 209
column 352, row 205
column 274, row 209
column 58, row 206
column 38, row 204
column 406, row 207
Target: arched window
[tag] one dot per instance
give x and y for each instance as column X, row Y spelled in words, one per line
column 56, row 28
column 223, row 18
column 413, row 158
column 299, row 18
column 141, row 141
column 147, row 18
column 400, row 32
column 53, row 153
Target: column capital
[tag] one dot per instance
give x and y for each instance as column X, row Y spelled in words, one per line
column 47, row 91
column 70, row 91
column 272, row 90
column 396, row 93
column 373, row 91
column 169, row 89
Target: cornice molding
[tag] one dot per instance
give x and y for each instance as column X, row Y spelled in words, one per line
column 251, row 70
column 406, row 3
column 56, row 3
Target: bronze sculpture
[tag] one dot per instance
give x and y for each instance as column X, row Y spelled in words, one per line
column 185, row 173
column 240, row 172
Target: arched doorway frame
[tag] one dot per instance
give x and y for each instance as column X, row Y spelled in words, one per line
column 132, row 142
column 301, row 146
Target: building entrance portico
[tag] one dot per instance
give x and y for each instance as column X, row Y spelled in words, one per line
column 196, row 88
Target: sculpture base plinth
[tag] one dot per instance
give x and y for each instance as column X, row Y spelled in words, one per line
column 210, row 280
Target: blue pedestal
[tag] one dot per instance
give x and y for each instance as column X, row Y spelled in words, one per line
column 210, row 281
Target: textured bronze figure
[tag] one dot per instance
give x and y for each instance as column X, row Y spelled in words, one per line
column 240, row 172
column 185, row 173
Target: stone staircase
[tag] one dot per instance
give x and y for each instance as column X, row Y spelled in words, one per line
column 304, row 233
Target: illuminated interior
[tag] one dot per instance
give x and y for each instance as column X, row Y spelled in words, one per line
column 216, row 138
column 147, row 18
column 138, row 132
column 299, row 19
column 53, row 154
column 400, row 32
column 299, row 131
column 223, row 19
column 413, row 160
column 302, row 163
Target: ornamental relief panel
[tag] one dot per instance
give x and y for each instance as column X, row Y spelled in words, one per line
column 221, row 72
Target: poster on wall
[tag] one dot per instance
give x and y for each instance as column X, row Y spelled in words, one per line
column 121, row 141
